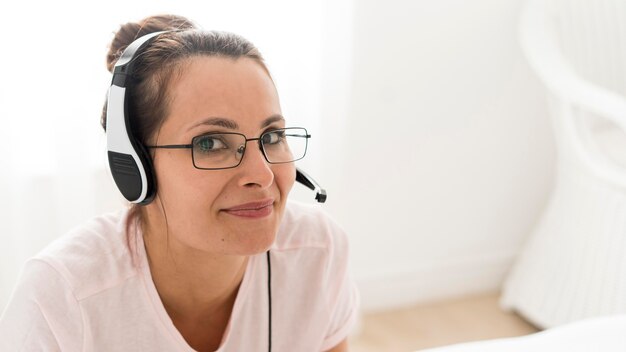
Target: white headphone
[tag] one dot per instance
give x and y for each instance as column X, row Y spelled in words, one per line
column 130, row 163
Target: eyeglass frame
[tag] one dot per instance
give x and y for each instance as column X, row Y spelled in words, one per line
column 245, row 147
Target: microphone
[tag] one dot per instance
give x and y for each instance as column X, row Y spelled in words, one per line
column 309, row 182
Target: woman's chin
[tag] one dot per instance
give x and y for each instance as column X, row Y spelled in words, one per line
column 256, row 245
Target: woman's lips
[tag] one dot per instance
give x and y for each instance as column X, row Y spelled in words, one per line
column 253, row 209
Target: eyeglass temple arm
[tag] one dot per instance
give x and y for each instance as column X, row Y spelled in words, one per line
column 303, row 178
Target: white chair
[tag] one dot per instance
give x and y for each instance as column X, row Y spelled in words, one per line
column 573, row 265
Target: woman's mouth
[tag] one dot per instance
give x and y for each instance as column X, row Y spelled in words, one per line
column 254, row 210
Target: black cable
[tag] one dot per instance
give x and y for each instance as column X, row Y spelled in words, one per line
column 269, row 299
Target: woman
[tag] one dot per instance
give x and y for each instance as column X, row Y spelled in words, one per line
column 217, row 258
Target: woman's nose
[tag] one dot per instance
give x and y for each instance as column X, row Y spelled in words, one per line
column 254, row 168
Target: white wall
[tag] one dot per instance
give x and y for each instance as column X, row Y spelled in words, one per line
column 447, row 156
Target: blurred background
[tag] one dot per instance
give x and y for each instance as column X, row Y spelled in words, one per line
column 431, row 131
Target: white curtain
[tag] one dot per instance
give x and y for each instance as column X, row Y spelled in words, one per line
column 54, row 81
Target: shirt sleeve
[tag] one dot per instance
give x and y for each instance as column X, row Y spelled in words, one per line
column 342, row 295
column 42, row 314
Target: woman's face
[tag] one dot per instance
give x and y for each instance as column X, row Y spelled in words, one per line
column 217, row 210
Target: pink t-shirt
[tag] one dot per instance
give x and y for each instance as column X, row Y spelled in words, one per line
column 83, row 293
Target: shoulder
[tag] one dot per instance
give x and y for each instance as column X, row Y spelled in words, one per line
column 308, row 225
column 312, row 241
column 42, row 314
column 92, row 256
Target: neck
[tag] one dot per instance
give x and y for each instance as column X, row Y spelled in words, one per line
column 192, row 284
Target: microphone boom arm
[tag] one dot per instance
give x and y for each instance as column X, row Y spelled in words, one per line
column 309, row 182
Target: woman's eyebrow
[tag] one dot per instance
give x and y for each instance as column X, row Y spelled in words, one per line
column 268, row 121
column 217, row 121
column 230, row 124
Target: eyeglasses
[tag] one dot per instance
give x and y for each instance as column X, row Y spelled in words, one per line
column 225, row 150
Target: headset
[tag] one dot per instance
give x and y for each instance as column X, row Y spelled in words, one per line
column 129, row 161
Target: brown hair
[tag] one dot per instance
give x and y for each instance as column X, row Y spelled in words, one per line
column 156, row 65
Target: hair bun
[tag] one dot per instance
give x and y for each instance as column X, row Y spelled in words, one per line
column 132, row 30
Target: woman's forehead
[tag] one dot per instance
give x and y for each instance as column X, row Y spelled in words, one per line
column 239, row 90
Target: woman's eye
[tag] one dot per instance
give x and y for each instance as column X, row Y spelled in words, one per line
column 209, row 144
column 273, row 137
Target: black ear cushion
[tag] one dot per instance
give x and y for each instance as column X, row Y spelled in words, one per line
column 146, row 163
column 126, row 174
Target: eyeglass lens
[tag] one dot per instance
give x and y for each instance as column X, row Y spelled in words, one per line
column 225, row 150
